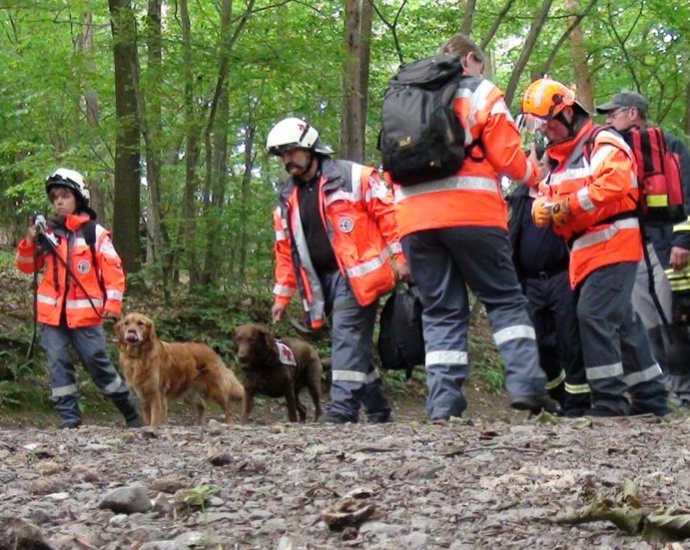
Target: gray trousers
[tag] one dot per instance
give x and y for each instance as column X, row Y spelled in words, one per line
column 617, row 355
column 355, row 379
column 89, row 343
column 444, row 262
column 670, row 344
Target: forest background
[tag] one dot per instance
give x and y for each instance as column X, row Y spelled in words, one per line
column 165, row 107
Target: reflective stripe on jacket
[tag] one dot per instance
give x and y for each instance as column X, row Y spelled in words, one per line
column 603, row 226
column 57, row 291
column 357, row 212
column 473, row 195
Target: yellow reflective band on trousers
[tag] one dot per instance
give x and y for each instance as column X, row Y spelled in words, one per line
column 577, row 389
column 553, row 384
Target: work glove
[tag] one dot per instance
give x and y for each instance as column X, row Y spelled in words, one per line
column 560, row 212
column 541, row 212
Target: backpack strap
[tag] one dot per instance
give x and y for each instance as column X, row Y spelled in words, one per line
column 89, row 232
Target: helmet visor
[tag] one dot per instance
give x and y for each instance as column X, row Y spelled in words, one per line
column 529, row 123
column 58, row 179
column 278, row 150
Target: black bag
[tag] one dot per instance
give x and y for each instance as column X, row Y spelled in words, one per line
column 401, row 339
column 422, row 138
column 680, row 294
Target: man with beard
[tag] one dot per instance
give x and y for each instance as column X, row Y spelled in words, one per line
column 335, row 235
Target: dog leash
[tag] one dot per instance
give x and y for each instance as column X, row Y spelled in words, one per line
column 299, row 326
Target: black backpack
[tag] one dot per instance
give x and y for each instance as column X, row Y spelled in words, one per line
column 421, row 137
column 401, row 340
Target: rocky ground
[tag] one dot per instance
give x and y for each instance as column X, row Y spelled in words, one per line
column 493, row 480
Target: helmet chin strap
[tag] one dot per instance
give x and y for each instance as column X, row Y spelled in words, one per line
column 573, row 127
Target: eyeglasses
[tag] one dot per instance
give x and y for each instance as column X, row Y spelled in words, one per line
column 616, row 112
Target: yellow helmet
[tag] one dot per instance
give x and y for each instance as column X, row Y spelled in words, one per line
column 545, row 98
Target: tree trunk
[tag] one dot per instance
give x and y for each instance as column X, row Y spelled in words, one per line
column 496, row 24
column 193, row 126
column 216, row 136
column 127, row 142
column 214, row 209
column 150, row 114
column 583, row 79
column 686, row 121
column 527, row 49
column 468, row 16
column 355, row 78
column 575, row 21
column 85, row 46
column 249, row 158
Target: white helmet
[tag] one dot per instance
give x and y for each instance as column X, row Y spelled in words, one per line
column 71, row 179
column 292, row 133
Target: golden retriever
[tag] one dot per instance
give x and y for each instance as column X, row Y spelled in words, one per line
column 259, row 356
column 157, row 371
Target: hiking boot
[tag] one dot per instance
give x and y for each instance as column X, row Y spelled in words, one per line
column 330, row 418
column 603, row 412
column 536, row 403
column 129, row 411
column 637, row 410
column 70, row 424
column 574, row 412
column 380, row 418
column 135, row 422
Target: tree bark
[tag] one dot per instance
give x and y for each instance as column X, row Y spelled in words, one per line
column 496, row 24
column 150, row 113
column 527, row 49
column 583, row 80
column 686, row 121
column 249, row 159
column 85, row 46
column 575, row 21
column 127, row 142
column 358, row 16
column 468, row 16
column 191, row 153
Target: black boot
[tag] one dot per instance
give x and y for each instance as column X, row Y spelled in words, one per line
column 535, row 404
column 126, row 406
column 68, row 407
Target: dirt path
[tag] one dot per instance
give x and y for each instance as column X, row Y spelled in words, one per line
column 488, row 481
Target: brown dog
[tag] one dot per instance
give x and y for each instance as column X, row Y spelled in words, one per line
column 268, row 373
column 157, row 371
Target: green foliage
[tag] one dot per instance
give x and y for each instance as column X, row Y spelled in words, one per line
column 10, row 394
column 485, row 363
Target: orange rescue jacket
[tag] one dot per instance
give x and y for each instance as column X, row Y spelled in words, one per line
column 473, row 196
column 57, row 291
column 357, row 212
column 603, row 226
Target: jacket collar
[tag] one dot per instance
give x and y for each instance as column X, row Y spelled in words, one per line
column 560, row 152
column 331, row 179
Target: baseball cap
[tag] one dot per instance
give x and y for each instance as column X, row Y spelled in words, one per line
column 625, row 100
